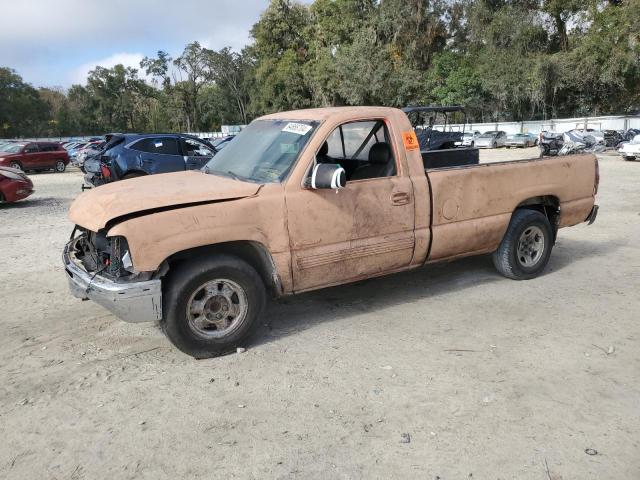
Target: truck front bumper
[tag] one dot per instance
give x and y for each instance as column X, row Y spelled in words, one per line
column 132, row 302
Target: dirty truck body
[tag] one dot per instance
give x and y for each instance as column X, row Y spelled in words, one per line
column 201, row 251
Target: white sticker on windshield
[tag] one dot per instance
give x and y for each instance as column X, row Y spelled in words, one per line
column 158, row 144
column 297, row 128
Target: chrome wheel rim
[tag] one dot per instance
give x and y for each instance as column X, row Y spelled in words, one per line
column 530, row 246
column 16, row 166
column 217, row 308
column 60, row 166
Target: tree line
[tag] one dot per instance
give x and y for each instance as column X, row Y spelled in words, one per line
column 502, row 59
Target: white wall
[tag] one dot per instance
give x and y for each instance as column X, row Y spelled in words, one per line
column 557, row 125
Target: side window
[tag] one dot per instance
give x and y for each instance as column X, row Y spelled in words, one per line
column 334, row 142
column 160, row 145
column 31, row 148
column 362, row 148
column 194, row 148
column 357, row 139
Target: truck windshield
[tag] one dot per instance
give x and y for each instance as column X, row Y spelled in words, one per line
column 264, row 152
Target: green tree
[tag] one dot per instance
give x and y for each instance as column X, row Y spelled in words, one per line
column 229, row 70
column 22, row 112
column 279, row 53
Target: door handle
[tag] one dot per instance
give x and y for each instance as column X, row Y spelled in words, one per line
column 400, row 198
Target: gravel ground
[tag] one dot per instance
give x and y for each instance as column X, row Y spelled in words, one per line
column 449, row 372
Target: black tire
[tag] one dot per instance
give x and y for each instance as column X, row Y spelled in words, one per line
column 495, row 145
column 16, row 165
column 186, row 280
column 60, row 167
column 507, row 258
column 545, row 150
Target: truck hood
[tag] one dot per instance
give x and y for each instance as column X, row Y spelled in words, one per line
column 95, row 208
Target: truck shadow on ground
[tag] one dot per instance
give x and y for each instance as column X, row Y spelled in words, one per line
column 291, row 315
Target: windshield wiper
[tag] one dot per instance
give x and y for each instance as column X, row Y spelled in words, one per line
column 233, row 175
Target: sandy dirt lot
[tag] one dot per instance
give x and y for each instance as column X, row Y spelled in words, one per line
column 490, row 378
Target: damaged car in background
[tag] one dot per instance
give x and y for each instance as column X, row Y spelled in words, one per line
column 304, row 200
column 14, row 185
column 127, row 156
column 630, row 150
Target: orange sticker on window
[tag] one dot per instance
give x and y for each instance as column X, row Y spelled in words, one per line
column 410, row 140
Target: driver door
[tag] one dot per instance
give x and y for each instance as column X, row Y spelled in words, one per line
column 362, row 230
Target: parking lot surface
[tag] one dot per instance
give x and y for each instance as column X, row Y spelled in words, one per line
column 449, row 372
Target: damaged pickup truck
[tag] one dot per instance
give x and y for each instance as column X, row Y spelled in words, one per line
column 304, row 200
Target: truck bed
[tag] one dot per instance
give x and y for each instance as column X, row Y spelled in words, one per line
column 471, row 205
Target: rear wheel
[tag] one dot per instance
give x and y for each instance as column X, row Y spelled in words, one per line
column 16, row 165
column 526, row 247
column 60, row 166
column 212, row 306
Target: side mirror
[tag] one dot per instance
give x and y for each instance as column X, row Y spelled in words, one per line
column 328, row 175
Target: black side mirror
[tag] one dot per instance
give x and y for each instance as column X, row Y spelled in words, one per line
column 328, row 175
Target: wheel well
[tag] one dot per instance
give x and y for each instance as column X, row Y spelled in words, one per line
column 254, row 253
column 549, row 205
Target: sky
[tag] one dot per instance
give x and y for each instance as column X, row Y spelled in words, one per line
column 56, row 42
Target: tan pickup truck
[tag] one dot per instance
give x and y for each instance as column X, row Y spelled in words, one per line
column 303, row 200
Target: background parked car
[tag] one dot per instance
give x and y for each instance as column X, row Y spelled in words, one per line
column 14, row 185
column 521, row 140
column 133, row 155
column 491, row 139
column 88, row 150
column 75, row 149
column 468, row 139
column 34, row 156
column 630, row 150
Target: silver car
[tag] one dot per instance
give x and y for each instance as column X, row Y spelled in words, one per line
column 468, row 139
column 491, row 139
column 522, row 140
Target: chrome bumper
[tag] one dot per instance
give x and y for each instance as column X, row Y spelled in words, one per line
column 132, row 302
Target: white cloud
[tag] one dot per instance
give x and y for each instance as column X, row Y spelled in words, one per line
column 79, row 74
column 56, row 42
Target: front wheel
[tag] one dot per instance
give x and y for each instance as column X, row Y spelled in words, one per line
column 212, row 306
column 526, row 247
column 15, row 165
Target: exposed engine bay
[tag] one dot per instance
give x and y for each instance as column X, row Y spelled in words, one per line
column 106, row 256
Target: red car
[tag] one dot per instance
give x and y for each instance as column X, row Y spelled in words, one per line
column 14, row 185
column 34, row 156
